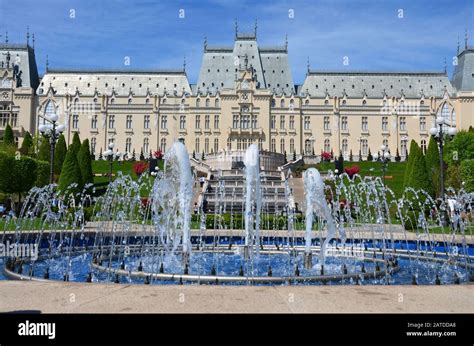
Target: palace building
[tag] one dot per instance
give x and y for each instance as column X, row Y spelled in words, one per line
column 244, row 94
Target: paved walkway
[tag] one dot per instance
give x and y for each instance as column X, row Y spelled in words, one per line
column 59, row 297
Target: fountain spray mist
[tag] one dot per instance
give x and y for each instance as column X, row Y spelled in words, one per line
column 316, row 204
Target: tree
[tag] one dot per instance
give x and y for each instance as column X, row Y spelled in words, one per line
column 16, row 175
column 203, row 157
column 85, row 163
column 351, row 158
column 419, row 178
column 413, row 146
column 360, row 156
column 27, row 145
column 453, row 176
column 294, row 156
column 59, row 154
column 397, row 156
column 42, row 173
column 460, row 148
column 8, row 138
column 369, row 156
column 70, row 172
column 432, row 164
column 76, row 143
column 285, row 159
column 142, row 157
column 467, row 175
column 194, row 155
column 44, row 153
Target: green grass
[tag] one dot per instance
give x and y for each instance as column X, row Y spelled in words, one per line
column 126, row 167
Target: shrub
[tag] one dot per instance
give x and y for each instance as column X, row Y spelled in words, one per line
column 158, row 154
column 59, row 154
column 351, row 171
column 85, row 163
column 70, row 172
column 326, row 156
column 8, row 138
column 42, row 173
column 27, row 145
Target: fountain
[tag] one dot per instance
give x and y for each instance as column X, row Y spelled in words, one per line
column 142, row 231
column 253, row 200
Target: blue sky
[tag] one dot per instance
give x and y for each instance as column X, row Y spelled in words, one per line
column 151, row 33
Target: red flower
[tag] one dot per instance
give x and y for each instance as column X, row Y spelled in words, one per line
column 140, row 167
column 326, row 155
column 351, row 171
column 145, row 201
column 158, row 154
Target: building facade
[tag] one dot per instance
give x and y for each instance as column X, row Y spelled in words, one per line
column 244, row 94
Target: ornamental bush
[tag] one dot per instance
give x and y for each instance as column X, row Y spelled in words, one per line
column 85, row 163
column 70, row 172
column 59, row 154
column 467, row 175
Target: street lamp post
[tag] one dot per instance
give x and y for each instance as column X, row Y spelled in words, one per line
column 384, row 158
column 109, row 155
column 438, row 134
column 51, row 131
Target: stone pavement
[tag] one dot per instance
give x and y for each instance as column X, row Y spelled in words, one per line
column 60, row 297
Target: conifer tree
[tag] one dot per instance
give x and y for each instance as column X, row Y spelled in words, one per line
column 85, row 163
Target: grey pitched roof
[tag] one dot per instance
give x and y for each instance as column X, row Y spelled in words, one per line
column 24, row 56
column 271, row 65
column 121, row 81
column 356, row 84
column 463, row 76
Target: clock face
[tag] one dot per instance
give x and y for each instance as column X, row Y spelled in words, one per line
column 245, row 96
column 5, row 95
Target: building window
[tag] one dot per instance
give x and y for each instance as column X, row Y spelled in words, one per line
column 244, row 144
column 273, row 103
column 344, row 123
column 282, row 104
column 292, row 104
column 327, row 145
column 345, row 146
column 260, row 144
column 129, row 122
column 292, row 122
column 384, row 123
column 164, row 122
column 385, row 143
column 3, row 119
column 216, row 145
column 365, row 124
column 306, row 122
column 216, row 103
column 111, row 121
column 94, row 121
column 327, row 124
column 365, row 146
column 292, row 145
column 196, row 145
column 146, row 122
column 282, row 145
column 235, row 123
column 198, row 103
column 282, row 122
column 93, row 144
column 197, row 123
column 207, row 122
column 146, row 145
column 75, row 121
column 14, row 120
column 216, row 122
column 163, row 145
column 182, row 122
column 239, row 144
column 423, row 146
column 128, row 145
column 308, row 147
column 254, row 121
column 273, row 145
column 273, row 122
column 403, row 124
column 206, row 145
column 403, row 147
column 422, row 124
column 229, row 144
column 208, row 103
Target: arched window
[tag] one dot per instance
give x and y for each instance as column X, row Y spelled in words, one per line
column 345, row 147
column 282, row 103
column 208, row 102
column 423, row 146
column 49, row 110
column 128, row 145
column 273, row 145
column 308, row 147
column 163, row 145
column 216, row 145
column 198, row 103
column 146, row 145
column 196, row 146
column 282, row 145
column 327, row 145
column 217, row 103
column 292, row 145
